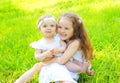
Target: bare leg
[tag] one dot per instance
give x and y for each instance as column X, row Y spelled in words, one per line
column 65, row 82
column 78, row 63
column 73, row 67
column 88, row 71
column 76, row 66
column 29, row 74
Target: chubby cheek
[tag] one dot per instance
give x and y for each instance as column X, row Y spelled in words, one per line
column 54, row 31
column 62, row 38
column 69, row 35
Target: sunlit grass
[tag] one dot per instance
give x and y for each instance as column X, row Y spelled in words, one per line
column 31, row 5
column 18, row 21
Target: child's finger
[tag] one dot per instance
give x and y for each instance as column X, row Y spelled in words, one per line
column 52, row 50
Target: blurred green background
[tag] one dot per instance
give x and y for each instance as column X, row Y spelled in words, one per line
column 18, row 28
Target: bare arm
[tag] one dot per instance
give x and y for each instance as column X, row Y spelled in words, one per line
column 41, row 56
column 73, row 67
column 69, row 52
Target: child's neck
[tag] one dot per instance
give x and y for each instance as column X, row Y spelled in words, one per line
column 49, row 39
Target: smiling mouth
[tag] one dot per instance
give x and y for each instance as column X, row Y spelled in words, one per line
column 63, row 35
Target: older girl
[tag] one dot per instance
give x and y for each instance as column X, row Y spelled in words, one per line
column 79, row 50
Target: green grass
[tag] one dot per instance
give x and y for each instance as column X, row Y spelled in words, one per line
column 18, row 21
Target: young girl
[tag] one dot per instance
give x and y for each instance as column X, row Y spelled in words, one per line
column 72, row 31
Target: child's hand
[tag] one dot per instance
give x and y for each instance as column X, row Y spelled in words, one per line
column 49, row 53
column 48, row 58
column 55, row 50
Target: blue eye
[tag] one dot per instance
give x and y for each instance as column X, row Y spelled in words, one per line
column 45, row 26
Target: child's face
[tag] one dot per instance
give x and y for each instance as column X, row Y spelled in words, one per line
column 48, row 28
column 65, row 28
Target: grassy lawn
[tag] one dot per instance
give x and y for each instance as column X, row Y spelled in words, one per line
column 18, row 22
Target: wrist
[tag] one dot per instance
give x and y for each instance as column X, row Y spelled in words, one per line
column 61, row 50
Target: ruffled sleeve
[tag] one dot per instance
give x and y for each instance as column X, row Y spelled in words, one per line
column 36, row 45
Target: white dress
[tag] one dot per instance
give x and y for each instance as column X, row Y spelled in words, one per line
column 52, row 72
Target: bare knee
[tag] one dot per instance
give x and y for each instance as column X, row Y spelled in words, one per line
column 38, row 66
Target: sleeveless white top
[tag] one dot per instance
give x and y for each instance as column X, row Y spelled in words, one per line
column 78, row 56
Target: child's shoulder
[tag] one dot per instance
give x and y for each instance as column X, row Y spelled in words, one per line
column 74, row 42
column 37, row 41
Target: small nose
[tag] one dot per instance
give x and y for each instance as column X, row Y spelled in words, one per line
column 48, row 27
